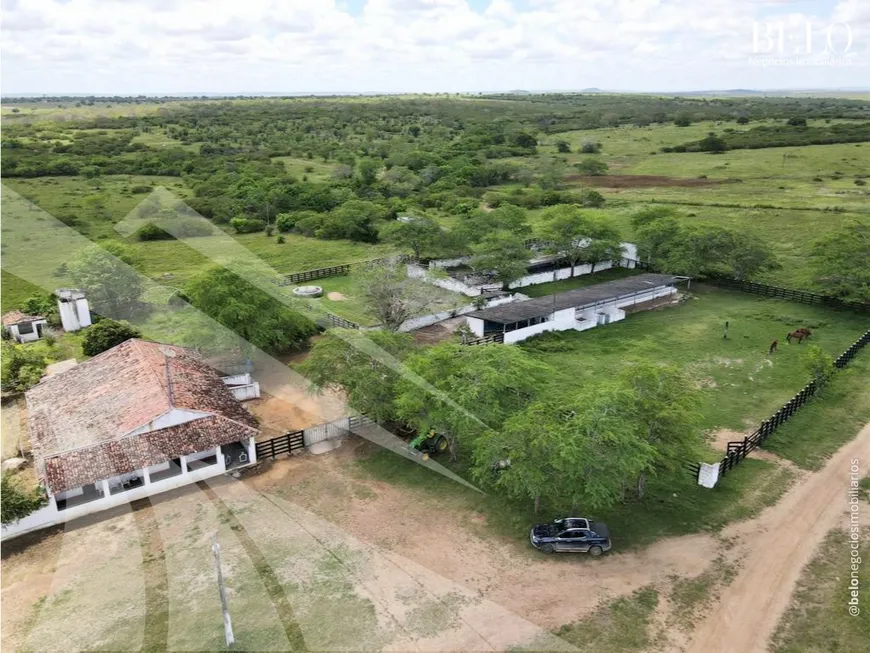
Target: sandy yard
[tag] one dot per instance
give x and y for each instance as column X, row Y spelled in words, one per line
column 318, row 555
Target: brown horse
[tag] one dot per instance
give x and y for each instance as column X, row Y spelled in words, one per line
column 801, row 334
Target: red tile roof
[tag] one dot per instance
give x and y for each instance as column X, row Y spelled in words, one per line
column 15, row 317
column 86, row 411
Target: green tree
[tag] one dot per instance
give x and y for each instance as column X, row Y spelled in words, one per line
column 353, row 220
column 665, row 405
column 563, row 147
column 248, row 311
column 368, row 170
column 16, row 502
column 106, row 275
column 566, row 229
column 591, row 199
column 348, row 360
column 503, row 255
column 683, row 119
column 820, row 365
column 590, row 166
column 22, row 367
column 391, row 295
column 106, row 334
column 840, row 261
column 478, row 388
column 506, row 217
column 418, row 234
column 603, row 242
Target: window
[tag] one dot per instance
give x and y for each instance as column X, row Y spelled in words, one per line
column 25, row 327
column 168, row 469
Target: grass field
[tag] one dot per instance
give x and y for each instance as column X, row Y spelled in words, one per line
column 312, row 169
column 740, row 384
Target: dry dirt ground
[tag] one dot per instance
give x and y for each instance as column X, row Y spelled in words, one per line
column 777, row 546
column 319, row 556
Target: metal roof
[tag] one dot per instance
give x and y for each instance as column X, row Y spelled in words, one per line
column 579, row 298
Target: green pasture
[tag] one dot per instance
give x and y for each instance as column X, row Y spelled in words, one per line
column 313, row 169
column 739, row 383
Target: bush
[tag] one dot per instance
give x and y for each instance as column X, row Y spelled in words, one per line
column 139, row 190
column 21, row 368
column 247, row 225
column 591, row 198
column 280, row 240
column 591, row 166
column 743, row 120
column 15, row 502
column 107, row 334
column 153, row 232
column 589, row 147
column 796, row 122
column 860, row 182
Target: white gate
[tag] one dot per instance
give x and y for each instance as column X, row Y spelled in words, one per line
column 328, row 431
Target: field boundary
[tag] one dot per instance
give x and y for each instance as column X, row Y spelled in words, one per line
column 335, row 270
column 776, row 292
column 737, row 450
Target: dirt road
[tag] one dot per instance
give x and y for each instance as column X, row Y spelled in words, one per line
column 783, row 540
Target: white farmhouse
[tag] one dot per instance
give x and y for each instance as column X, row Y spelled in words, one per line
column 580, row 309
column 24, row 328
column 139, row 419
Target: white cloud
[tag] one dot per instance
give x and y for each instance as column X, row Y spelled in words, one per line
column 157, row 46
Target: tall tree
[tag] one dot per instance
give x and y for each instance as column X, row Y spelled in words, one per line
column 417, row 233
column 478, row 389
column 391, row 295
column 502, row 254
column 248, row 311
column 112, row 286
column 341, row 360
column 106, row 334
column 566, row 229
column 664, row 402
column 604, row 243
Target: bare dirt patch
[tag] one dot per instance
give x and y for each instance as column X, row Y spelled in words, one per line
column 336, row 296
column 643, row 181
column 435, row 333
column 775, row 554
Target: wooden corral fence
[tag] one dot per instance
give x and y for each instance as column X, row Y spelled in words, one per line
column 739, row 449
column 320, row 273
column 332, row 320
column 334, row 271
column 776, row 292
column 485, row 340
column 296, row 440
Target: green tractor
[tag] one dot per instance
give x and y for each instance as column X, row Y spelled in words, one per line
column 430, row 442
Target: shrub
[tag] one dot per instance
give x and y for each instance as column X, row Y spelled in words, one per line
column 860, row 182
column 270, row 230
column 107, row 334
column 280, row 240
column 15, row 502
column 247, row 225
column 591, row 198
column 742, row 120
column 591, row 166
column 590, row 147
column 21, row 368
column 152, row 232
column 797, row 122
column 139, row 190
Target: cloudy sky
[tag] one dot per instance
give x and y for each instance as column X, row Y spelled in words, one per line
column 291, row 46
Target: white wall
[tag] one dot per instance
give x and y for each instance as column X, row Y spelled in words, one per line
column 245, row 392
column 50, row 515
column 27, row 337
column 568, row 318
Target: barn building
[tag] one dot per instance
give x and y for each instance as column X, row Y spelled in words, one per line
column 580, row 309
column 24, row 328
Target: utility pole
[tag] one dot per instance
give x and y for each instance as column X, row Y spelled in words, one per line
column 228, row 625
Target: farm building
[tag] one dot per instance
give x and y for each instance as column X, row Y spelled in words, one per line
column 24, row 328
column 136, row 420
column 580, row 309
column 74, row 311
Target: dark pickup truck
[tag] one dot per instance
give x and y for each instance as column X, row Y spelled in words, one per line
column 571, row 535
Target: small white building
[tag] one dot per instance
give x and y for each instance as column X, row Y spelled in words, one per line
column 75, row 313
column 24, row 328
column 138, row 419
column 580, row 309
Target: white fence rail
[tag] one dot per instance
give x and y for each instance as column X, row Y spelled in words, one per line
column 245, row 392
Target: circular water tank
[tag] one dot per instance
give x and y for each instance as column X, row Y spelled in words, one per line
column 308, row 291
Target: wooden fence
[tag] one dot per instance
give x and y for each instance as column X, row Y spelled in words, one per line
column 331, row 319
column 739, row 449
column 334, row 271
column 296, row 440
column 776, row 292
column 485, row 340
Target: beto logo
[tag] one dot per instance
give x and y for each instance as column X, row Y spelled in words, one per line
column 777, row 37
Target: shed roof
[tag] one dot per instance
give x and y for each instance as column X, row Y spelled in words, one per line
column 17, row 317
column 579, row 298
